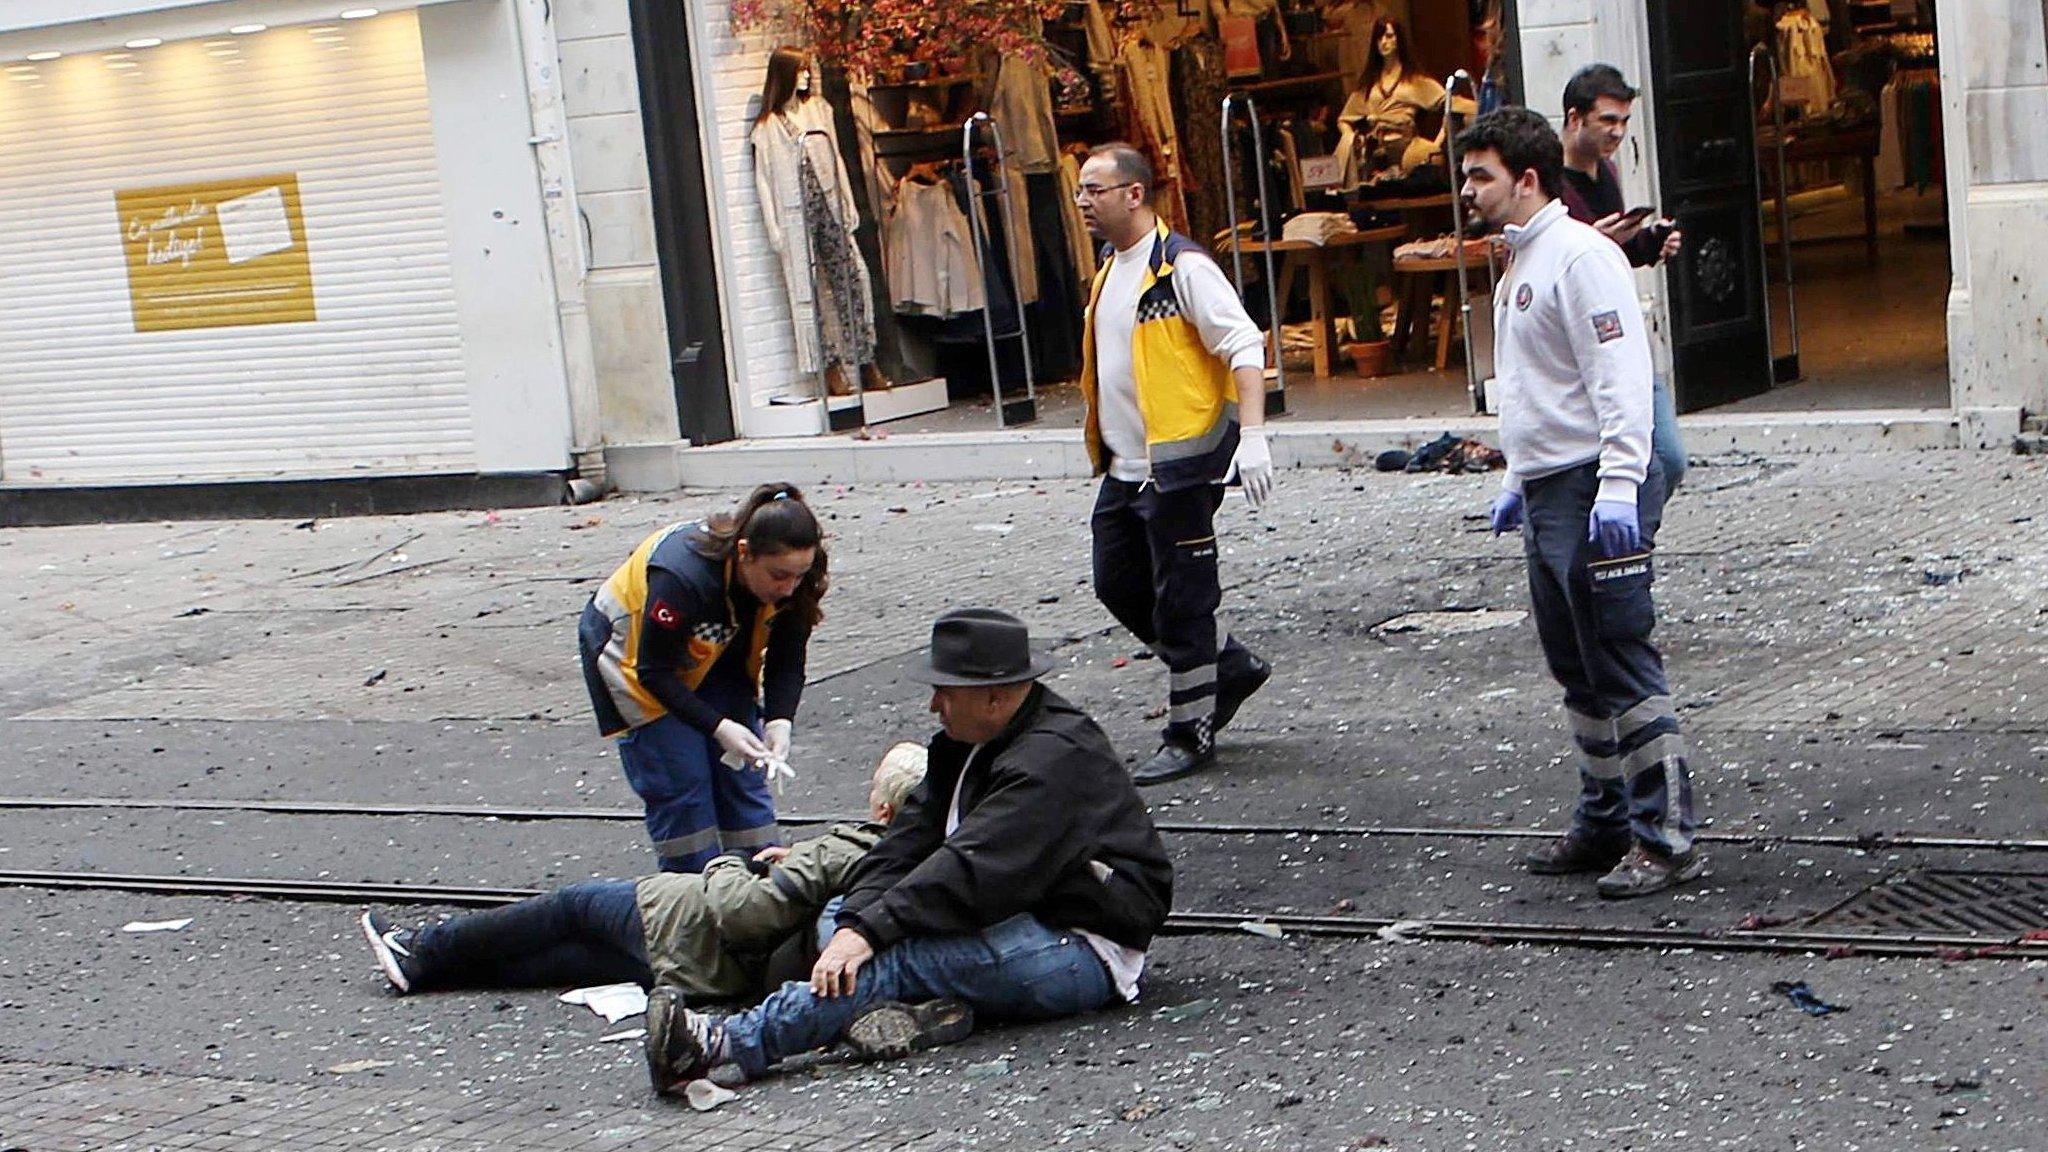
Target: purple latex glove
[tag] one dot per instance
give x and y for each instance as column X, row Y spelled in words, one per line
column 1613, row 527
column 1507, row 512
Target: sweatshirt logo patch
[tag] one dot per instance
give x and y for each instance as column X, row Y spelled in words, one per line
column 664, row 615
column 1523, row 296
column 1606, row 326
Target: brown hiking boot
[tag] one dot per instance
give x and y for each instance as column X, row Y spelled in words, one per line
column 1642, row 872
column 1576, row 851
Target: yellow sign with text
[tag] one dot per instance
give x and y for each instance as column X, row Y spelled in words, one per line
column 216, row 255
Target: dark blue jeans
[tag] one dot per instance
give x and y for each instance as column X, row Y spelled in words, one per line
column 1594, row 617
column 696, row 806
column 587, row 933
column 1017, row 970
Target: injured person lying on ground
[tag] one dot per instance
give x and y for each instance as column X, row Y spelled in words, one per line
column 710, row 935
column 1023, row 880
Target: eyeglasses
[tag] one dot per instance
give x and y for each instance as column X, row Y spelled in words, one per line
column 1092, row 191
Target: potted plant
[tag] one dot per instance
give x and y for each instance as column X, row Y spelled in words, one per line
column 1369, row 349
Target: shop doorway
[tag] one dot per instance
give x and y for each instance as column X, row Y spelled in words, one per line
column 1863, row 226
column 682, row 220
column 1302, row 65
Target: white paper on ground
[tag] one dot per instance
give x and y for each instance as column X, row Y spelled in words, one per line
column 614, row 1002
column 618, row 1037
column 703, row 1095
column 155, row 925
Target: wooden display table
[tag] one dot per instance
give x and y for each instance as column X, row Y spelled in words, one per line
column 1425, row 277
column 1860, row 145
column 1318, row 259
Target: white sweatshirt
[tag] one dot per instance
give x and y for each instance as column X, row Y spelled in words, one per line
column 1206, row 298
column 1571, row 357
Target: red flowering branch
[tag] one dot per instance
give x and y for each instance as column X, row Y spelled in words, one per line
column 871, row 37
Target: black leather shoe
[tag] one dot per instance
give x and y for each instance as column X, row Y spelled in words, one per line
column 1233, row 691
column 1576, row 851
column 1172, row 762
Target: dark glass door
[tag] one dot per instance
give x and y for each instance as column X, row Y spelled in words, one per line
column 682, row 220
column 1706, row 156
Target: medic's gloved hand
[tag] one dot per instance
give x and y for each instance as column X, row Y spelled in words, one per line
column 1252, row 466
column 778, row 738
column 741, row 744
column 1507, row 512
column 1613, row 528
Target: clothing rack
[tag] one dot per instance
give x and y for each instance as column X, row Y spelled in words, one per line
column 1025, row 410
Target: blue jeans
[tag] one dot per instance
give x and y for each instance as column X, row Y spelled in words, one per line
column 696, row 806
column 586, row 933
column 1665, row 442
column 1017, row 970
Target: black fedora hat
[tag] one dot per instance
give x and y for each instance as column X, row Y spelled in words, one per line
column 979, row 646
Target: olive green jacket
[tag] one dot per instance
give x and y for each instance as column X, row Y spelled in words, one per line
column 711, row 933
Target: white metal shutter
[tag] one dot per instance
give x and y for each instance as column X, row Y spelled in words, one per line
column 374, row 384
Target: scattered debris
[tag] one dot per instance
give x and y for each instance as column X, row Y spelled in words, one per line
column 998, row 529
column 703, row 1095
column 374, row 677
column 156, row 925
column 1119, row 662
column 1182, row 1013
column 1401, row 931
column 988, row 1069
column 1805, row 999
column 1050, row 598
column 1451, row 621
column 1758, row 921
column 348, row 1066
column 1959, row 1084
column 1261, row 928
column 1144, row 1111
column 1347, row 904
column 191, row 612
column 621, row 1037
column 614, row 1002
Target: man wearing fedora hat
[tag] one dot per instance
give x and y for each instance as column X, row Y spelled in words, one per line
column 1022, row 879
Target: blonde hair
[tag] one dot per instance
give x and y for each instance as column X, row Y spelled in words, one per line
column 901, row 770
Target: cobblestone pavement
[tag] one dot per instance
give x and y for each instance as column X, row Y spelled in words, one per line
column 1859, row 644
column 46, row 1108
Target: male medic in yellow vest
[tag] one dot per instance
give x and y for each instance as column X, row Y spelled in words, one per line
column 1174, row 375
column 697, row 638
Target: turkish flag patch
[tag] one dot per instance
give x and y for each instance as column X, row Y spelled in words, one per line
column 1606, row 326
column 665, row 615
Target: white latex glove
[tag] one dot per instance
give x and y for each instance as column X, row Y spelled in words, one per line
column 778, row 739
column 1252, row 466
column 741, row 744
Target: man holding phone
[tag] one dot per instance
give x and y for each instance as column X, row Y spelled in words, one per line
column 1598, row 103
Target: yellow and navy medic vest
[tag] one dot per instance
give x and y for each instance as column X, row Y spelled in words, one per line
column 615, row 622
column 1187, row 396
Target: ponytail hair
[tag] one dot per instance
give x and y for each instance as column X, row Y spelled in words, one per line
column 773, row 519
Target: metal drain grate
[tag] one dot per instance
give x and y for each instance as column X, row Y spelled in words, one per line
column 1992, row 903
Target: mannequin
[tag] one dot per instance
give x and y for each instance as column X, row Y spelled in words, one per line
column 1377, row 128
column 808, row 209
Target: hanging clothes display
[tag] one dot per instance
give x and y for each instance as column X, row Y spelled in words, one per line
column 1806, row 74
column 1021, row 106
column 1082, row 246
column 1198, row 89
column 846, row 314
column 1056, row 323
column 804, row 230
column 930, row 253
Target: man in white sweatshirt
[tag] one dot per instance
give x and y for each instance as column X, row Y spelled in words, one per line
column 1573, row 367
column 1173, row 371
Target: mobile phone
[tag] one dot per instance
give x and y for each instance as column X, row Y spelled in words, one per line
column 1636, row 214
